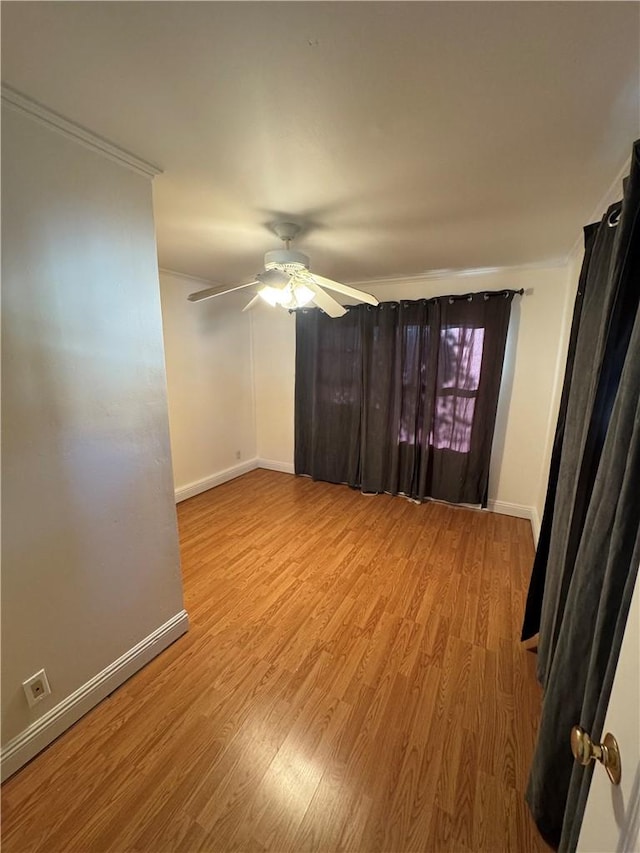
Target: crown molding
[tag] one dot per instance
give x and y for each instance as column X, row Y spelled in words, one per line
column 465, row 272
column 209, row 282
column 17, row 101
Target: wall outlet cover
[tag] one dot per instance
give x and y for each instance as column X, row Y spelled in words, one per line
column 36, row 688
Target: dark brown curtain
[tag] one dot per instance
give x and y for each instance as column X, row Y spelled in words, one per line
column 587, row 575
column 402, row 397
column 581, row 344
column 328, row 395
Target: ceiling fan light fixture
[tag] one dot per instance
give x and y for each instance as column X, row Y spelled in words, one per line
column 289, row 296
column 272, row 295
column 287, row 299
column 303, row 295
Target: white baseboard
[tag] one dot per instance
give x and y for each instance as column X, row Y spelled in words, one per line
column 505, row 508
column 207, row 483
column 47, row 728
column 214, row 480
column 274, row 465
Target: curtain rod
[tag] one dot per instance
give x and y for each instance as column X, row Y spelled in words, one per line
column 455, row 297
column 485, row 293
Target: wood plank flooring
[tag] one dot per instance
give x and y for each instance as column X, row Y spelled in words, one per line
column 352, row 681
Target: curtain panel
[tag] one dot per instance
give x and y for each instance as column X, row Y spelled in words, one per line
column 533, row 609
column 584, row 577
column 402, row 397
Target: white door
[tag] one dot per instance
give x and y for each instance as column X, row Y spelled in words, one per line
column 612, row 817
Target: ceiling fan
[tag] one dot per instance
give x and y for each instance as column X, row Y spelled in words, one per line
column 286, row 281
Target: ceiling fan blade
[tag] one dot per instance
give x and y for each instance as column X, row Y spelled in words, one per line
column 328, row 304
column 215, row 291
column 360, row 295
column 250, row 304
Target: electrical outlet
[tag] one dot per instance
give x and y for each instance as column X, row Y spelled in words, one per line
column 238, row 454
column 36, row 688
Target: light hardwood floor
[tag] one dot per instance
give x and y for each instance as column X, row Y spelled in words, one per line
column 352, row 681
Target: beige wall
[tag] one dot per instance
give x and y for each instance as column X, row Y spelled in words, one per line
column 572, row 273
column 90, row 562
column 274, row 349
column 210, row 383
column 526, row 400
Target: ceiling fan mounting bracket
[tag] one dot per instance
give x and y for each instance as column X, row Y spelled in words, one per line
column 286, row 231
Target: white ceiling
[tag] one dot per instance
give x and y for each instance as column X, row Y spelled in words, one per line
column 405, row 137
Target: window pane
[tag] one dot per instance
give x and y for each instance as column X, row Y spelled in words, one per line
column 460, row 360
column 460, row 357
column 453, row 422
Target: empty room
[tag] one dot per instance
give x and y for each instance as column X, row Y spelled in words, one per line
column 320, row 427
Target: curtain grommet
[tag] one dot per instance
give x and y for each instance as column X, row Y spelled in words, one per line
column 614, row 218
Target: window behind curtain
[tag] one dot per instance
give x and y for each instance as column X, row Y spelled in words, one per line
column 402, row 398
column 460, row 361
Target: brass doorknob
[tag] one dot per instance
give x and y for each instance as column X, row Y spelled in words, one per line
column 607, row 753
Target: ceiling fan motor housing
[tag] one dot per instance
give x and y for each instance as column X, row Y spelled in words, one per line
column 286, row 259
